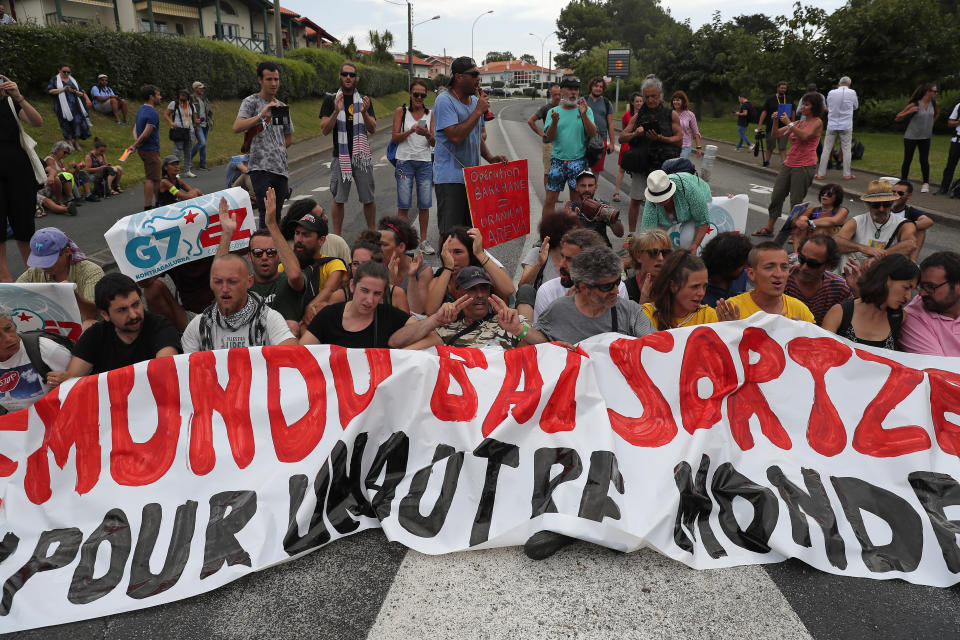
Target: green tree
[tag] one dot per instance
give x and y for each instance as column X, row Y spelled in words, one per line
column 755, row 24
column 584, row 23
column 498, row 56
column 380, row 45
column 348, row 49
column 528, row 58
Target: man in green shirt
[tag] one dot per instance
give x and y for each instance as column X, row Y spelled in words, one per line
column 569, row 125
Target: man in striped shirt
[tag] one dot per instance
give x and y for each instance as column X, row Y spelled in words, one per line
column 811, row 282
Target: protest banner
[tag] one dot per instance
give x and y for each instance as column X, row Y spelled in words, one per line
column 47, row 306
column 718, row 445
column 148, row 243
column 726, row 214
column 499, row 200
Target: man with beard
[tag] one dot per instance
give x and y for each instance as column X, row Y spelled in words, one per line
column 569, row 126
column 769, row 268
column 571, row 244
column 879, row 232
column 769, row 114
column 126, row 335
column 930, row 323
column 811, row 283
column 593, row 213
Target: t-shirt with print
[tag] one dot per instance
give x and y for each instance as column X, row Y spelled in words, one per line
column 450, row 159
column 327, row 108
column 488, row 333
column 268, row 290
column 601, row 109
column 871, row 235
column 569, row 143
column 327, row 327
column 85, row 274
column 268, row 152
column 146, row 114
column 563, row 321
column 20, row 383
column 100, row 346
column 276, row 332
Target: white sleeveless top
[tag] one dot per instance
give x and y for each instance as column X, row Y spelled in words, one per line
column 415, row 147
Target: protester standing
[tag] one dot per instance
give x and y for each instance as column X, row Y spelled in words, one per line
column 954, row 155
column 636, row 101
column 183, row 121
column 201, row 106
column 70, row 103
column 602, row 117
column 147, row 143
column 568, row 128
column 541, row 114
column 768, row 122
column 413, row 135
column 841, row 103
column 688, row 124
column 743, row 121
column 922, row 111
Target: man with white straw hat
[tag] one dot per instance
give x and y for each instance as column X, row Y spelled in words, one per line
column 678, row 198
column 878, row 232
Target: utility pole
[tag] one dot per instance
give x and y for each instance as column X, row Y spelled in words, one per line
column 278, row 29
column 409, row 45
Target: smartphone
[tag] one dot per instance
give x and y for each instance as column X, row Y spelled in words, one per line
column 411, row 253
column 280, row 116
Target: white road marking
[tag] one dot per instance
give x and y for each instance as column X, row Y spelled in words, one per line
column 761, row 188
column 322, row 189
column 300, row 197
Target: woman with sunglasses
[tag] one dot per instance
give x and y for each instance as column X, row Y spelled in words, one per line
column 413, row 135
column 367, row 249
column 828, row 217
column 648, row 251
column 678, row 295
column 180, row 115
column 922, row 111
column 875, row 318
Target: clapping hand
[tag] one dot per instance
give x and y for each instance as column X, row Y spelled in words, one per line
column 727, row 310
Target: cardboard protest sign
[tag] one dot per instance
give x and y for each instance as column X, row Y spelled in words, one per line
column 48, row 306
column 148, row 243
column 499, row 200
column 717, row 445
column 726, row 214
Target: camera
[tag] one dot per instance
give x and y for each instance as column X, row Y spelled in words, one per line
column 280, row 116
column 649, row 123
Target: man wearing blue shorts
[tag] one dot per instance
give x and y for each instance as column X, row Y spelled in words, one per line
column 569, row 126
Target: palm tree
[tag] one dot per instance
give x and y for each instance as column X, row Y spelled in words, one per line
column 380, row 45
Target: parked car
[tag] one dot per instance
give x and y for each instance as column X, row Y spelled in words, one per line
column 496, row 93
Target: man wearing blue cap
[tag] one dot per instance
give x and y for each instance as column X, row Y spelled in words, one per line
column 56, row 258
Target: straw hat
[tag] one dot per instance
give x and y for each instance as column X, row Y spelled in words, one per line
column 879, row 191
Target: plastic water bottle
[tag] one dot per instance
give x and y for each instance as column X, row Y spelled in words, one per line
column 709, row 157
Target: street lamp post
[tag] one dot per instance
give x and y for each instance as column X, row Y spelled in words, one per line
column 410, row 27
column 473, row 27
column 542, row 40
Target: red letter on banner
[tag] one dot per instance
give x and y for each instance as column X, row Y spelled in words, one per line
column 656, row 427
column 748, row 400
column 76, row 423
column 560, row 414
column 524, row 402
column 870, row 438
column 232, row 403
column 704, row 356
column 294, row 442
column 349, row 401
column 825, row 431
column 16, row 421
column 944, row 399
column 140, row 463
column 450, row 407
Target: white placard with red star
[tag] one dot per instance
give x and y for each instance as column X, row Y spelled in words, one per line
column 148, row 243
column 50, row 307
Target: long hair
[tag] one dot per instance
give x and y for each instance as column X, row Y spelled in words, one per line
column 675, row 270
column 684, row 100
column 921, row 90
column 633, row 96
column 873, row 284
column 460, row 233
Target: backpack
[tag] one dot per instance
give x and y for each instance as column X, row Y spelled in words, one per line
column 856, row 149
column 31, row 343
column 954, row 190
column 392, row 146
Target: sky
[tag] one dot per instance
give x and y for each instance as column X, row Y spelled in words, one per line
column 508, row 28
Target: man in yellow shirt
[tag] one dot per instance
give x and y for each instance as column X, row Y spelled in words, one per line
column 769, row 268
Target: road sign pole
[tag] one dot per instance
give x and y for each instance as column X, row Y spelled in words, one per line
column 616, row 98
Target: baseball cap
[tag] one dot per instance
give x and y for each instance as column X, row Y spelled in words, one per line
column 169, row 160
column 313, row 223
column 197, row 84
column 461, row 65
column 45, row 247
column 102, row 75
column 471, row 276
column 569, row 83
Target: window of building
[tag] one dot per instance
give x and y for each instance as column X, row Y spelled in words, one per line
column 231, row 30
column 226, row 7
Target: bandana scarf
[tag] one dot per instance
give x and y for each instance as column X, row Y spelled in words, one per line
column 361, row 147
column 64, row 104
column 254, row 314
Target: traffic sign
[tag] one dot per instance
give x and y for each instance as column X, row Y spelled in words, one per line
column 618, row 63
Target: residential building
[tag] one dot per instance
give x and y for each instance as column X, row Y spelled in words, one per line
column 438, row 65
column 518, row 73
column 421, row 68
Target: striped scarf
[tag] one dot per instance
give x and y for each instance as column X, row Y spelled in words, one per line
column 362, row 157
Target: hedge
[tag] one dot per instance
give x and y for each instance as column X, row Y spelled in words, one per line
column 374, row 80
column 878, row 115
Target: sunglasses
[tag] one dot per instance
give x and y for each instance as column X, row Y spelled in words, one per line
column 929, row 287
column 828, row 194
column 900, row 193
column 258, row 253
column 653, row 253
column 605, row 287
column 348, row 74
column 419, row 95
column 472, row 74
column 881, row 205
column 810, row 262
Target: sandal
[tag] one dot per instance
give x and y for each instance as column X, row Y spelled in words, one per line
column 40, row 213
column 616, row 197
column 763, row 232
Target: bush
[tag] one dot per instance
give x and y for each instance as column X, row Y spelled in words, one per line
column 32, row 54
column 878, row 115
column 529, row 92
column 375, row 80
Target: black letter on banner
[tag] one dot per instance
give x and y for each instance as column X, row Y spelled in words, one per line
column 317, row 534
column 409, row 513
column 595, row 504
column 814, row 503
column 66, row 541
column 222, row 544
column 8, row 545
column 143, row 582
column 497, row 454
column 392, row 454
column 115, row 530
column 905, row 548
column 936, row 491
column 695, row 507
column 728, row 483
column 346, row 497
column 543, row 485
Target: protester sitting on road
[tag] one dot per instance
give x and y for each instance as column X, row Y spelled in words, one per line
column 593, row 213
column 56, row 258
column 46, row 204
column 460, row 247
column 646, row 254
column 904, row 189
column 875, row 318
column 678, row 295
column 541, row 263
column 595, row 306
column 172, row 188
column 812, row 281
column 238, row 174
column 726, row 259
column 125, row 335
column 828, row 217
column 106, row 101
column 397, row 240
column 879, row 232
column 769, row 269
column 106, row 176
column 30, row 364
column 365, row 249
column 239, row 317
column 932, row 319
column 677, row 198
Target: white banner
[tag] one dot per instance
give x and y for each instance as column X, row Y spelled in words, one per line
column 148, row 243
column 717, row 445
column 48, row 306
column 726, row 214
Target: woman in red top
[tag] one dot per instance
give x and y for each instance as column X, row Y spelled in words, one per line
column 636, row 100
column 796, row 174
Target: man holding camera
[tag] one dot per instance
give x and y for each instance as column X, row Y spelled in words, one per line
column 772, row 109
column 593, row 213
column 268, row 130
column 569, row 125
column 654, row 135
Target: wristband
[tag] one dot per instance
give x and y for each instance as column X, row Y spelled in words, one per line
column 523, row 332
column 445, row 268
column 173, row 190
column 484, row 265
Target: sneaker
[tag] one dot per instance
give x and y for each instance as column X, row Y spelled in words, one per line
column 544, row 544
column 750, row 147
column 925, row 188
column 766, row 163
column 92, row 198
column 427, row 249
column 189, row 174
column 737, row 149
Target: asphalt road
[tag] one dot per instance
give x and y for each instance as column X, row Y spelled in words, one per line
column 366, row 587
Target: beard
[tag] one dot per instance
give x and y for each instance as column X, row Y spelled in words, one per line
column 304, row 256
column 569, row 103
column 565, row 280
